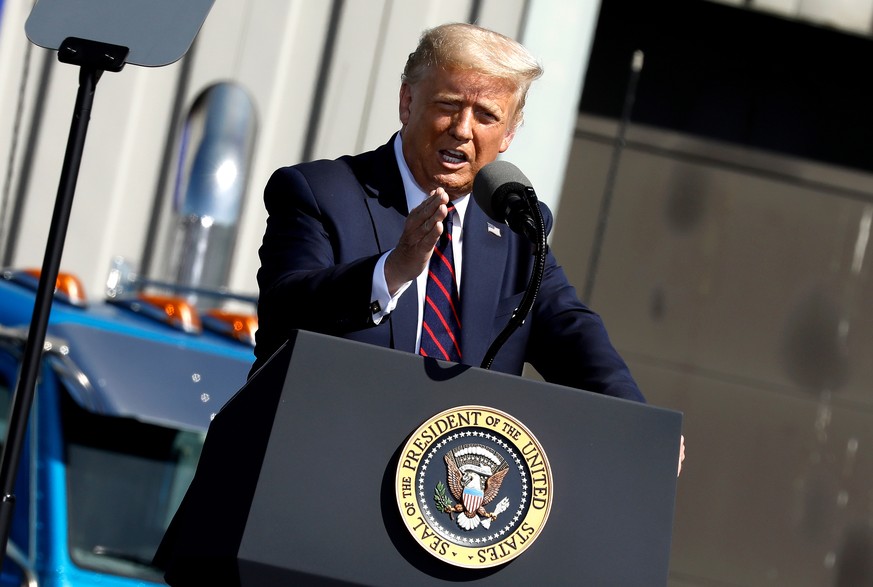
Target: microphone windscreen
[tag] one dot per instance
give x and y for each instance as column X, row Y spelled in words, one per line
column 494, row 183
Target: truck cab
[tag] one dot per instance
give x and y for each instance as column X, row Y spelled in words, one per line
column 126, row 392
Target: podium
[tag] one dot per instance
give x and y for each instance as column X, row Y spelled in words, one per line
column 296, row 484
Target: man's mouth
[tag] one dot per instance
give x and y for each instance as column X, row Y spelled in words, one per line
column 452, row 156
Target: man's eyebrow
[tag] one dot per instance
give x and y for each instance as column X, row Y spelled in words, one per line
column 447, row 95
column 491, row 106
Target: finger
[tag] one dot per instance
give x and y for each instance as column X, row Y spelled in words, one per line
column 432, row 204
column 440, row 199
column 421, row 231
column 440, row 194
column 424, row 224
column 681, row 454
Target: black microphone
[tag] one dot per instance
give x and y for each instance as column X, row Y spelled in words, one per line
column 506, row 195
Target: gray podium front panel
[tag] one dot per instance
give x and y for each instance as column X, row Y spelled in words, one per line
column 313, row 502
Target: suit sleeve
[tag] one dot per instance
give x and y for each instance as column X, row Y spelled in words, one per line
column 302, row 286
column 569, row 344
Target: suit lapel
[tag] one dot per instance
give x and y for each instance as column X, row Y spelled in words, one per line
column 484, row 262
column 378, row 174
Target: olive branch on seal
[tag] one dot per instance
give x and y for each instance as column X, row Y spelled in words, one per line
column 442, row 500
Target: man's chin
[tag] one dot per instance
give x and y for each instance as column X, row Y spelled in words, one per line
column 456, row 187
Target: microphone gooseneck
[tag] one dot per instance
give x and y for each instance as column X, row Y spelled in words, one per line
column 506, row 196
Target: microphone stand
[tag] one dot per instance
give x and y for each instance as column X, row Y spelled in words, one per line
column 93, row 58
column 533, row 286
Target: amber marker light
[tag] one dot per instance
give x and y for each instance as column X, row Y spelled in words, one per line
column 176, row 311
column 67, row 287
column 239, row 326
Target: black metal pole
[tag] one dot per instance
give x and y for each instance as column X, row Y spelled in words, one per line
column 22, row 400
column 606, row 202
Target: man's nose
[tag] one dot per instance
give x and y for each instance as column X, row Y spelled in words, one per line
column 462, row 125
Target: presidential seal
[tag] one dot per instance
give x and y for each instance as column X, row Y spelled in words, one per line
column 474, row 487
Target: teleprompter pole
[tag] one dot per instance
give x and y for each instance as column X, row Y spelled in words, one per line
column 93, row 59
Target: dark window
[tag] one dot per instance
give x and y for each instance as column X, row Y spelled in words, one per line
column 736, row 75
column 125, row 480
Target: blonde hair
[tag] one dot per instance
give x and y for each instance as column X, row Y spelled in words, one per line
column 470, row 47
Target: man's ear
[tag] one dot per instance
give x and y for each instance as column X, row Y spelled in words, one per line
column 405, row 102
column 507, row 138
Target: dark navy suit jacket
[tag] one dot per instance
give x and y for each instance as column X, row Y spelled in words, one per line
column 329, row 222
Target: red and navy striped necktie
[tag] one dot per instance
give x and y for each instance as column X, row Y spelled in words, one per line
column 441, row 325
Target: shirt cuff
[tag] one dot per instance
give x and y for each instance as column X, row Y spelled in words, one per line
column 382, row 302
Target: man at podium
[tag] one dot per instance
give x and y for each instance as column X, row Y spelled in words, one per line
column 387, row 247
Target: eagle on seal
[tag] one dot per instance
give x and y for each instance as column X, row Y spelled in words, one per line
column 474, row 488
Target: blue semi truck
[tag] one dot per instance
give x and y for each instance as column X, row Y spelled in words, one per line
column 126, row 392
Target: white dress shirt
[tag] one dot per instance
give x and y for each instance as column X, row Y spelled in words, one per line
column 415, row 196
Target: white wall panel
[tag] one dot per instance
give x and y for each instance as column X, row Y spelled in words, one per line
column 786, row 7
column 14, row 51
column 47, row 164
column 503, row 16
column 560, row 34
column 849, row 15
column 406, row 22
column 283, row 99
column 353, row 75
column 853, row 15
column 116, row 179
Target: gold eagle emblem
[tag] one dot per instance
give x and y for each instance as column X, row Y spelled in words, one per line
column 474, row 474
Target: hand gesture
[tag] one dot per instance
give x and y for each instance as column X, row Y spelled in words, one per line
column 421, row 231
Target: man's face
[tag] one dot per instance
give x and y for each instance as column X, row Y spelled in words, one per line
column 454, row 122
